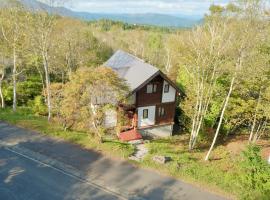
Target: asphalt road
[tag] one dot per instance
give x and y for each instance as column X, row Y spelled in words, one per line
column 36, row 167
column 26, row 179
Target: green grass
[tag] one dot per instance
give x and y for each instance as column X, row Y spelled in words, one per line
column 220, row 175
column 24, row 118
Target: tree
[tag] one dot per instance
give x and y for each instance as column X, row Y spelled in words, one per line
column 76, row 47
column 2, row 76
column 42, row 32
column 243, row 47
column 4, row 62
column 201, row 65
column 43, row 25
column 13, row 22
column 261, row 79
column 80, row 103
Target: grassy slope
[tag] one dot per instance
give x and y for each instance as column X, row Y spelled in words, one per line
column 220, row 175
column 24, row 118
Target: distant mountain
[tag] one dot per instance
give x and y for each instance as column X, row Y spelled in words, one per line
column 145, row 19
column 142, row 19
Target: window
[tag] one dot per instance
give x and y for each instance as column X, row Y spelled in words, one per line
column 145, row 114
column 154, row 88
column 161, row 112
column 166, row 88
column 151, row 88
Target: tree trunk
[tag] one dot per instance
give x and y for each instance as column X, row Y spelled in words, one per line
column 40, row 72
column 194, row 127
column 221, row 119
column 259, row 132
column 47, row 80
column 1, row 91
column 262, row 130
column 196, row 116
column 42, row 81
column 197, row 131
column 255, row 119
column 14, row 74
column 168, row 62
column 202, row 104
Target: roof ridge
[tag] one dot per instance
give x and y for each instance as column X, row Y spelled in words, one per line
column 133, row 69
column 140, row 59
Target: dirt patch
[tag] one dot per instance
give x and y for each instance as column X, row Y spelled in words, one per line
column 265, row 144
column 236, row 144
column 236, row 147
column 266, row 153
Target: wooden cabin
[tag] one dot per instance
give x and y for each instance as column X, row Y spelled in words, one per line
column 152, row 102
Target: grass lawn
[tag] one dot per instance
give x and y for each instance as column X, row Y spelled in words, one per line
column 221, row 174
column 24, row 118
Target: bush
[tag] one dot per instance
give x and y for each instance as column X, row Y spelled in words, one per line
column 38, row 106
column 256, row 174
column 26, row 91
column 87, row 86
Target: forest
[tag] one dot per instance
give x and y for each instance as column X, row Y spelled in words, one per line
column 49, row 63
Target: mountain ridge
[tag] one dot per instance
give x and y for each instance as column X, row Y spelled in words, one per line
column 155, row 19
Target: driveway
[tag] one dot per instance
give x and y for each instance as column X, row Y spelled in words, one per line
column 33, row 166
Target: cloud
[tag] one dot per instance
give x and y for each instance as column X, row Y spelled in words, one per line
column 186, row 7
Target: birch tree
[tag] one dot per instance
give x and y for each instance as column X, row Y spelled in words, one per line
column 248, row 33
column 202, row 60
column 2, row 76
column 43, row 25
column 12, row 23
column 261, row 78
column 2, row 70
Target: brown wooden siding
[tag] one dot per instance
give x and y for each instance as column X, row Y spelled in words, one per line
column 155, row 99
column 144, row 99
column 169, row 113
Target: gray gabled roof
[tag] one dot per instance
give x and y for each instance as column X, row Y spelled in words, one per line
column 132, row 69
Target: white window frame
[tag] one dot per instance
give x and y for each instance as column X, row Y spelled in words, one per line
column 166, row 88
column 149, row 89
column 161, row 112
column 155, row 88
column 147, row 113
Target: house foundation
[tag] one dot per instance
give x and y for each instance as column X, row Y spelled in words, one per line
column 161, row 131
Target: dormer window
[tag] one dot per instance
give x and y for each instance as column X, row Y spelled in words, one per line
column 151, row 88
column 166, row 88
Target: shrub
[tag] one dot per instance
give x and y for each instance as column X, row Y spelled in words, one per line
column 26, row 91
column 256, row 174
column 38, row 106
column 81, row 101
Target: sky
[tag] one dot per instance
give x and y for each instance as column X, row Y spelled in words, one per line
column 172, row 7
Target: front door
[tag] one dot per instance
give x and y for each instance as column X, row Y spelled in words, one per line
column 146, row 116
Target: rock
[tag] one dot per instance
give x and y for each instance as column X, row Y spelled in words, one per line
column 146, row 141
column 161, row 159
column 134, row 158
column 140, row 152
